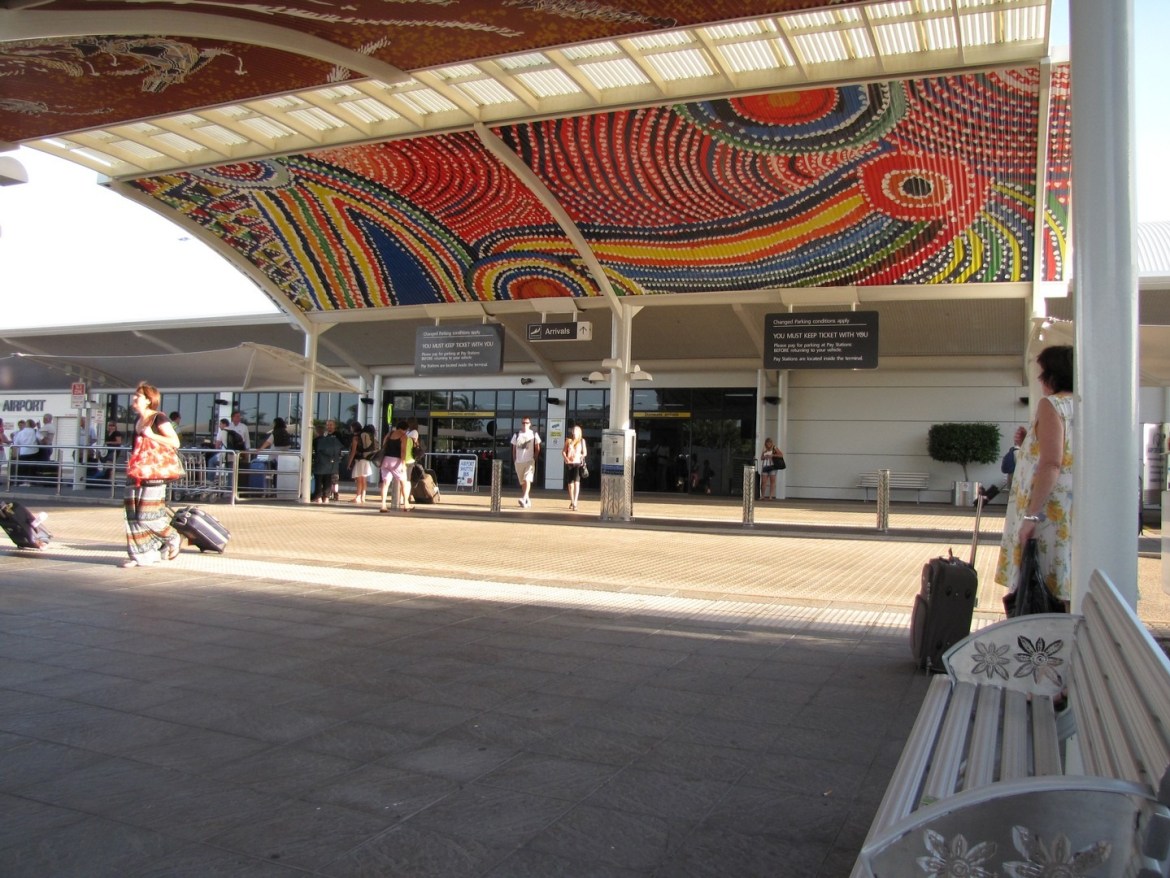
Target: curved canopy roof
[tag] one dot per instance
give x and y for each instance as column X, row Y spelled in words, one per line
column 365, row 161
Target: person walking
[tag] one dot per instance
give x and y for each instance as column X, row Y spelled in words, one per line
column 525, row 453
column 149, row 535
column 365, row 443
column 395, row 449
column 1040, row 505
column 575, row 454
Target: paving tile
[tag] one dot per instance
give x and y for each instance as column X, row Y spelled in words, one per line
column 301, row 834
column 387, row 793
column 501, row 817
column 555, row 777
column 90, row 847
column 411, row 850
column 614, row 838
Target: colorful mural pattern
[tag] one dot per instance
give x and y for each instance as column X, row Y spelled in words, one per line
column 928, row 181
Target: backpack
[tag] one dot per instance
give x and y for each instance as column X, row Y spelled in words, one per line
column 424, row 489
column 234, row 441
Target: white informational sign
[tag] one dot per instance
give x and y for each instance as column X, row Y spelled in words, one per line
column 466, row 475
column 556, row 434
column 613, row 452
column 77, row 395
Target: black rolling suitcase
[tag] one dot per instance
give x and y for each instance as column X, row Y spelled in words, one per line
column 944, row 607
column 23, row 527
column 201, row 529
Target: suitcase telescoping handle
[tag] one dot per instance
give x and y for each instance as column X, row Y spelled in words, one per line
column 978, row 515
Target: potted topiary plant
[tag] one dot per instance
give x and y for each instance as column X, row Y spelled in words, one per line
column 963, row 444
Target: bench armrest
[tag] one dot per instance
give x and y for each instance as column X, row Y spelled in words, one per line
column 1028, row 654
column 1103, row 822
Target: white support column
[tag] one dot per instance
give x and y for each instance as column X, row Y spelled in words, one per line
column 1106, row 442
column 619, row 379
column 782, row 385
column 378, row 413
column 309, row 392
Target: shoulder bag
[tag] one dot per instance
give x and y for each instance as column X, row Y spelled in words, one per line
column 151, row 461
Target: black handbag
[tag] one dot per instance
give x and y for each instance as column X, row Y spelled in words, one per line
column 1032, row 595
column 778, row 462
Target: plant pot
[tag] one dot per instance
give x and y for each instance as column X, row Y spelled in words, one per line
column 965, row 493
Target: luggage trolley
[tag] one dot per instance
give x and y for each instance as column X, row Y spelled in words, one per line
column 203, row 482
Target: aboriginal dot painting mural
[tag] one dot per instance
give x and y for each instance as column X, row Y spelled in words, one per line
column 925, row 181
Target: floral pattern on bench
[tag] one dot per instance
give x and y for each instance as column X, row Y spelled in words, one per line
column 959, row 858
column 1036, row 658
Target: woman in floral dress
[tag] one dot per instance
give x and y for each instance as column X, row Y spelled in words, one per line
column 1040, row 506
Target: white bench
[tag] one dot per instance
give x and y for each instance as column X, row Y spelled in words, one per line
column 993, row 775
column 907, row 481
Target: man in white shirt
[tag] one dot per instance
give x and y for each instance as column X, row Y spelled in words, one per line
column 238, row 426
column 525, row 452
column 26, row 442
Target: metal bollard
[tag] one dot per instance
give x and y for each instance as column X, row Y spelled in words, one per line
column 749, row 496
column 497, row 484
column 883, row 500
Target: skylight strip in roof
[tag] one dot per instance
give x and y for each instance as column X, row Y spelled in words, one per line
column 269, row 128
column 825, row 47
column 591, row 50
column 978, row 29
column 619, row 73
column 282, row 103
column 897, row 9
column 940, row 35
column 897, row 39
column 101, row 158
column 487, row 92
column 1024, row 23
column 521, row 62
column 369, row 110
column 733, row 30
column 337, row 92
column 427, row 101
column 317, row 119
column 675, row 66
column 138, row 150
column 665, row 40
column 744, row 57
column 178, row 142
column 549, row 83
column 459, row 71
column 222, row 135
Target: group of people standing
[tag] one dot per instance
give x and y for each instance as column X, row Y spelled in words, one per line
column 30, row 448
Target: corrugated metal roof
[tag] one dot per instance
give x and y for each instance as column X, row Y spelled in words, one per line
column 1153, row 246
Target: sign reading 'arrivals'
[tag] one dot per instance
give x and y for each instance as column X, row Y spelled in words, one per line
column 821, row 340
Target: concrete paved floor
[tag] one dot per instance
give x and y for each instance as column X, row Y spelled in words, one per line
column 450, row 692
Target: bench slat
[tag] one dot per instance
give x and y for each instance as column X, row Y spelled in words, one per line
column 901, row 796
column 1013, row 761
column 984, row 738
column 1138, row 677
column 950, row 751
column 1107, row 752
column 1045, row 741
